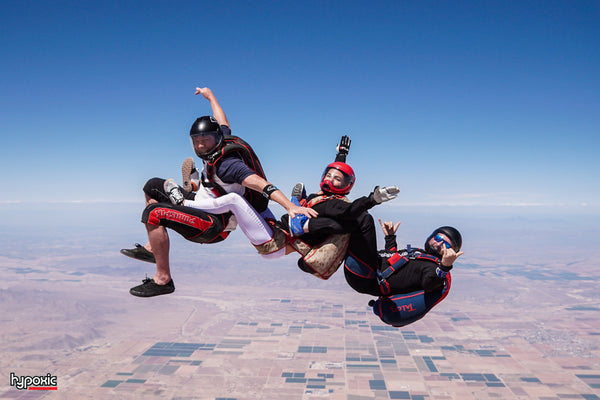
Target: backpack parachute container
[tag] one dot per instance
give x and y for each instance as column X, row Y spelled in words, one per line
column 234, row 144
column 403, row 309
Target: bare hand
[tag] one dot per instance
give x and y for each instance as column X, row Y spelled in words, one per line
column 449, row 256
column 388, row 227
column 294, row 209
column 206, row 92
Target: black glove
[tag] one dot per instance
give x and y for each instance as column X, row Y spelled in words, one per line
column 344, row 147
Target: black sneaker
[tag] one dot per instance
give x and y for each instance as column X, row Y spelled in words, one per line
column 139, row 253
column 149, row 288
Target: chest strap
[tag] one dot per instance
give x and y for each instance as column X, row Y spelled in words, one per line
column 397, row 261
column 321, row 197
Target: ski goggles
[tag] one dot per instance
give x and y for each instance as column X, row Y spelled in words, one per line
column 438, row 238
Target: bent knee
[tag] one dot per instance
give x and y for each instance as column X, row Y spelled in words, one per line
column 153, row 183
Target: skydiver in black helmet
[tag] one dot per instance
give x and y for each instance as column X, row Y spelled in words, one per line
column 409, row 282
column 426, row 272
column 231, row 170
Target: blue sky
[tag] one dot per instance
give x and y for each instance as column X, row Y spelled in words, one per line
column 456, row 102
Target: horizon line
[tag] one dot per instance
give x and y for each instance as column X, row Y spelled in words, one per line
column 423, row 204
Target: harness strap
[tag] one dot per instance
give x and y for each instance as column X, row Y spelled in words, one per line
column 234, row 144
column 428, row 257
column 398, row 261
column 323, row 197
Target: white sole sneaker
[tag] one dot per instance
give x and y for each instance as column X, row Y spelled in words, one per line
column 298, row 191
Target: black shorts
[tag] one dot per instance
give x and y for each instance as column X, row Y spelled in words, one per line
column 193, row 224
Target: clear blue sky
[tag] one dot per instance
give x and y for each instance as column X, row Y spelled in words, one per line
column 456, row 102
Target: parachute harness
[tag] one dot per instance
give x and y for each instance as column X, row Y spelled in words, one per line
column 399, row 260
column 234, row 144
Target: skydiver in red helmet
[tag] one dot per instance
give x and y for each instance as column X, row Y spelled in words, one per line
column 337, row 214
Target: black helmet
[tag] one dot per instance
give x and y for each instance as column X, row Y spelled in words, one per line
column 452, row 233
column 207, row 126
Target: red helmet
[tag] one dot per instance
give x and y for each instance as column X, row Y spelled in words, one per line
column 346, row 182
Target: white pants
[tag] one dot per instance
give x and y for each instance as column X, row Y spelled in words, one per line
column 250, row 221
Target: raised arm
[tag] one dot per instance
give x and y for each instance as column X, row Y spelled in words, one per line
column 389, row 230
column 342, row 149
column 218, row 112
column 388, row 227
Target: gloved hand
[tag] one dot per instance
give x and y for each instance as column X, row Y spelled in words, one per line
column 385, row 193
column 173, row 191
column 344, row 147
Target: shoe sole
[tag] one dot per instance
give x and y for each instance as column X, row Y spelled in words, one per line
column 297, row 191
column 150, row 289
column 129, row 253
column 144, row 294
column 186, row 171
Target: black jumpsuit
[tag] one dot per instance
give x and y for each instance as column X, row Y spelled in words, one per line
column 413, row 276
column 339, row 216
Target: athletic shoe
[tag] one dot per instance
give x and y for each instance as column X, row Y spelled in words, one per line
column 190, row 175
column 299, row 192
column 149, row 288
column 297, row 224
column 139, row 253
column 174, row 192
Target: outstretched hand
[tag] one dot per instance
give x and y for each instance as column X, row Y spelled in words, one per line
column 385, row 193
column 388, row 227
